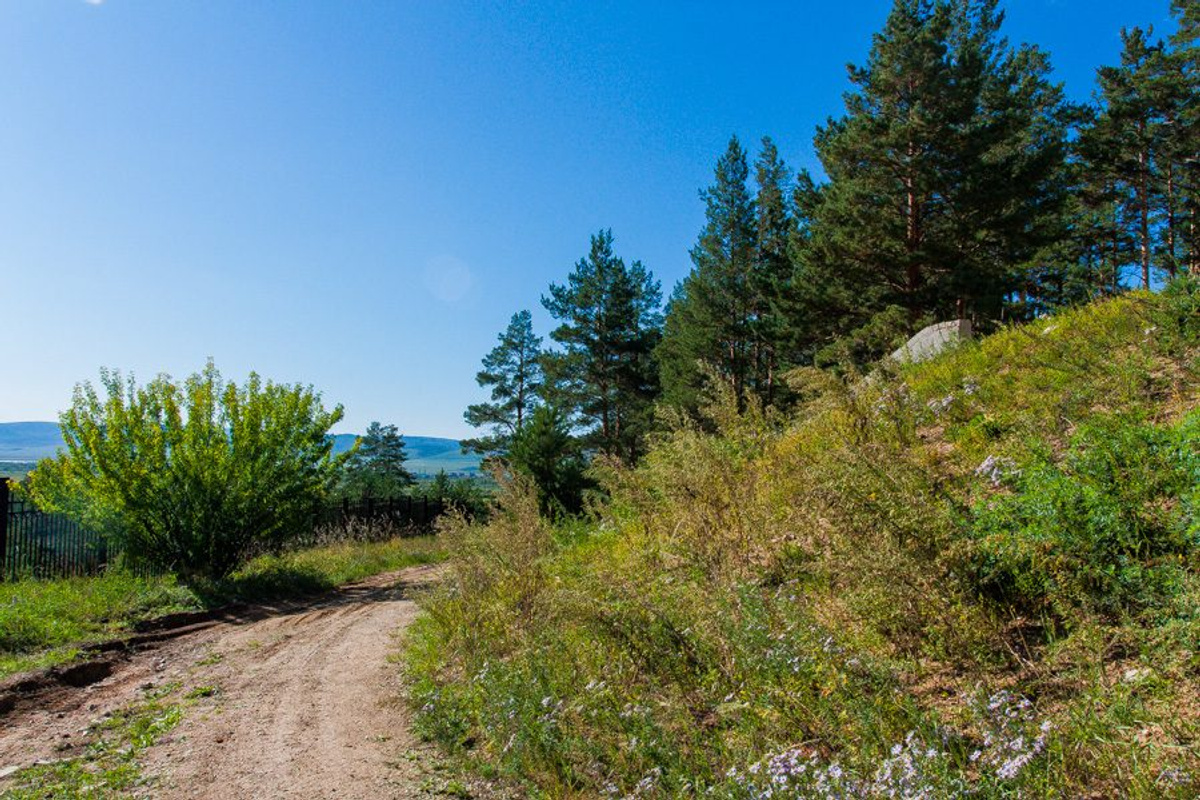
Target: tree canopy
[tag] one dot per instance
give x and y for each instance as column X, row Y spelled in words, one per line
column 376, row 466
column 945, row 172
column 513, row 370
column 194, row 476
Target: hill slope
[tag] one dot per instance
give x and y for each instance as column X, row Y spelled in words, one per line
column 427, row 455
column 31, row 441
column 973, row 575
column 28, row 441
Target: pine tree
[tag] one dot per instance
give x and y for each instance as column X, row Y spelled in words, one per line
column 806, row 304
column 376, row 469
column 711, row 315
column 1181, row 69
column 1099, row 243
column 770, row 280
column 605, row 376
column 1130, row 147
column 1139, row 152
column 545, row 451
column 513, row 369
column 945, row 173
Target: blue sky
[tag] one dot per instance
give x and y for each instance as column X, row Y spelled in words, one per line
column 359, row 195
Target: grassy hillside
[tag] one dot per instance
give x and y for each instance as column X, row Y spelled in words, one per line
column 977, row 574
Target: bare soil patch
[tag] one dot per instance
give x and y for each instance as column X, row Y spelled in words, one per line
column 294, row 700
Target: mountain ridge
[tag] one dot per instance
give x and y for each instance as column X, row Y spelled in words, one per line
column 30, row 441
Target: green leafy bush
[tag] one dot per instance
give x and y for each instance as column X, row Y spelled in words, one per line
column 1106, row 530
column 191, row 477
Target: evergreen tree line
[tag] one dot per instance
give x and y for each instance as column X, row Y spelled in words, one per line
column 959, row 183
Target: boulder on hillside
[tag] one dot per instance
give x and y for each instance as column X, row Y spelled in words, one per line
column 933, row 340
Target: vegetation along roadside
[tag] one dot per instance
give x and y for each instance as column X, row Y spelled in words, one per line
column 975, row 574
column 46, row 622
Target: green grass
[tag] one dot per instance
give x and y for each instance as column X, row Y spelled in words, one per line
column 46, row 622
column 109, row 766
column 319, row 569
column 977, row 574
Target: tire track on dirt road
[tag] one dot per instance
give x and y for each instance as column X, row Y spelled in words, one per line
column 302, row 703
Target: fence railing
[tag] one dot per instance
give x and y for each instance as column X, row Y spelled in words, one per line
column 34, row 543
column 416, row 512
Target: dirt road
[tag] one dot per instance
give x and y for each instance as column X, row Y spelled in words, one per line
column 296, row 701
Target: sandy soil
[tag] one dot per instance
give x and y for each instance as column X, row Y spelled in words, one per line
column 305, row 703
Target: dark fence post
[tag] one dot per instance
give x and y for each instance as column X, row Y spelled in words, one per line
column 3, row 527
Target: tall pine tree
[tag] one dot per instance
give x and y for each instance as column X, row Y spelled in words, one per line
column 605, row 375
column 1138, row 155
column 1127, row 144
column 945, row 174
column 1184, row 138
column 513, row 370
column 770, row 281
column 712, row 313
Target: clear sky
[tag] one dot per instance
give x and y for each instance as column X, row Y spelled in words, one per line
column 358, row 195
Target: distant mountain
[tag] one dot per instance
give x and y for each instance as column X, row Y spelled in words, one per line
column 427, row 455
column 28, row 441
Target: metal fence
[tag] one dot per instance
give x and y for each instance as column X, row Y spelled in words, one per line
column 40, row 545
column 35, row 544
column 415, row 512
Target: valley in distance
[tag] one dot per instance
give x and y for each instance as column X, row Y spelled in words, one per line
column 23, row 444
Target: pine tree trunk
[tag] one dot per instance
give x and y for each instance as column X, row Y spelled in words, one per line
column 1116, row 253
column 1170, row 219
column 770, row 376
column 912, row 237
column 1143, row 191
column 1193, row 248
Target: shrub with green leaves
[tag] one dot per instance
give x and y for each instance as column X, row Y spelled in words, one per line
column 1108, row 529
column 191, row 476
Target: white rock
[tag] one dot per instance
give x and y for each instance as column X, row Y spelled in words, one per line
column 932, row 340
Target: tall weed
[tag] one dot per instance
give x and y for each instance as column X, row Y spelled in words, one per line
column 974, row 575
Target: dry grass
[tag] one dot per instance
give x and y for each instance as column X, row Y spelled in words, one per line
column 817, row 587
